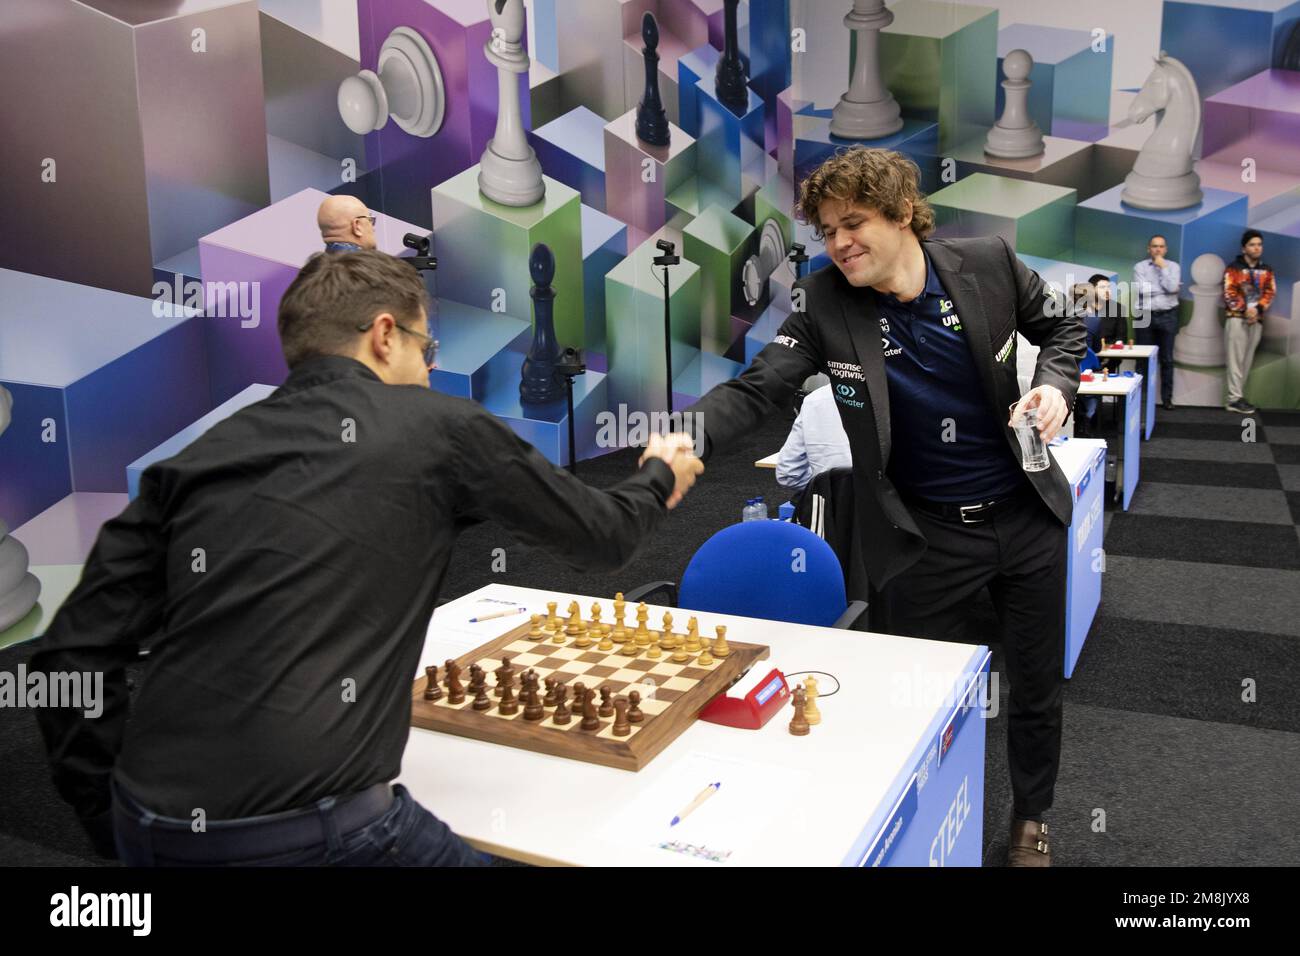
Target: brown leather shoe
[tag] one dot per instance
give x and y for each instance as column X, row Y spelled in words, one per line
column 1028, row 845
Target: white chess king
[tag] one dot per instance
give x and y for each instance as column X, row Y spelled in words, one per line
column 509, row 172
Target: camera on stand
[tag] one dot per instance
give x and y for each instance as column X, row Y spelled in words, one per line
column 421, row 261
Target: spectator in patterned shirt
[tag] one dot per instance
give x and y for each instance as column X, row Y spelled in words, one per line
column 1248, row 289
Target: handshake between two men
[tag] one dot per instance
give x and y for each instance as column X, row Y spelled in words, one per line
column 677, row 450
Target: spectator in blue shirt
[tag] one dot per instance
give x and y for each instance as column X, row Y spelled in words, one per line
column 816, row 443
column 1156, row 281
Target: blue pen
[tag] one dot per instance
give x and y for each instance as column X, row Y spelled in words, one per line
column 704, row 794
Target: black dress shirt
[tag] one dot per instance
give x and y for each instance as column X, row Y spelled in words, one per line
column 283, row 569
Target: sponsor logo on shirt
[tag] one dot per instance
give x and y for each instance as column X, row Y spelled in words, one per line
column 786, row 341
column 845, row 370
column 844, row 394
column 1007, row 347
column 890, row 353
column 952, row 322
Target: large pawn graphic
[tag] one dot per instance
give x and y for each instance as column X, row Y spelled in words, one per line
column 651, row 120
column 540, row 381
column 867, row 110
column 509, row 172
column 729, row 80
column 1015, row 135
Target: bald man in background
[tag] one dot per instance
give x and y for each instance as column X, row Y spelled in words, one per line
column 346, row 225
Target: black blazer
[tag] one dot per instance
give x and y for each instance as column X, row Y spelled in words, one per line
column 837, row 332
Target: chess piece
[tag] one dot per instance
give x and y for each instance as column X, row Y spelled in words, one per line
column 535, row 632
column 729, row 79
column 654, row 653
column 590, row 719
column 651, row 120
column 706, row 656
column 634, row 714
column 811, row 713
column 579, row 694
column 620, row 608
column 575, row 622
column 478, row 684
column 622, row 726
column 799, row 724
column 431, row 689
column 680, row 655
column 552, row 619
column 509, row 172
column 606, row 701
column 1015, row 135
column 1163, row 175
column 408, row 87
column 629, row 648
column 533, row 709
column 720, row 647
column 866, row 110
column 455, row 692
column 642, row 635
column 759, row 267
column 505, row 675
column 606, row 644
column 1200, row 342
column 540, row 378
column 552, row 685
column 561, row 715
column 509, row 704
column 693, row 635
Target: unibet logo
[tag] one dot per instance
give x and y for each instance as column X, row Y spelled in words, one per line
column 848, row 391
column 950, row 320
column 945, row 305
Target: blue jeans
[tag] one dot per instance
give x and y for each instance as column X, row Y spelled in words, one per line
column 405, row 834
column 1161, row 332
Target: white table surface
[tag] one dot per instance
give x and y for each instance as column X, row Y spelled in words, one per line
column 1115, row 385
column 1137, row 351
column 544, row 809
column 769, row 461
column 1075, row 455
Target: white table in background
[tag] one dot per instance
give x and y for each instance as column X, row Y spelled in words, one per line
column 894, row 773
column 1128, row 389
column 1084, row 462
column 1150, row 355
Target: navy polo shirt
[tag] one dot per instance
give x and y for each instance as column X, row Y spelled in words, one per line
column 947, row 445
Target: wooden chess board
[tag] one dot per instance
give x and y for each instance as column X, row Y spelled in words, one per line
column 672, row 695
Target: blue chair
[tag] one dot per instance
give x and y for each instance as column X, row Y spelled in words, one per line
column 775, row 570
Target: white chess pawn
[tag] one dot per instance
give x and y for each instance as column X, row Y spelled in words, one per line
column 509, row 172
column 1015, row 135
column 1200, row 342
column 867, row 110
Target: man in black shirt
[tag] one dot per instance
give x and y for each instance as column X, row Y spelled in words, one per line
column 283, row 569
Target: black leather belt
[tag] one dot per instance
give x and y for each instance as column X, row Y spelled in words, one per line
column 250, row 837
column 975, row 512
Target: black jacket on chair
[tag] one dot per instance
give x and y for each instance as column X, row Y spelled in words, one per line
column 837, row 332
column 826, row 508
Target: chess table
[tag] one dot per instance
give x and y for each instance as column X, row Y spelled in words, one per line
column 893, row 774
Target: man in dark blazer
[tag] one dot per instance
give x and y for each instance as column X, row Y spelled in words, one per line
column 918, row 337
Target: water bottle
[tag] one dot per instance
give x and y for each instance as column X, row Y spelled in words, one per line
column 753, row 510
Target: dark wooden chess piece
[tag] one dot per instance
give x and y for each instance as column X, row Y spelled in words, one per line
column 478, row 684
column 799, row 726
column 455, row 690
column 509, row 704
column 590, row 719
column 561, row 715
column 505, row 675
column 622, row 726
column 431, row 689
column 651, row 120
column 729, row 76
column 606, row 701
column 579, row 695
column 533, row 709
column 549, row 699
column 541, row 381
column 634, row 714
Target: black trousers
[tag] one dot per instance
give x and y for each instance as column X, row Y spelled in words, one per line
column 1161, row 332
column 1019, row 554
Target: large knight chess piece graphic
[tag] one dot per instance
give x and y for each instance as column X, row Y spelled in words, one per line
column 542, row 381
column 1015, row 135
column 408, row 87
column 729, row 80
column 19, row 588
column 1200, row 342
column 509, row 172
column 1163, row 176
column 651, row 120
column 867, row 110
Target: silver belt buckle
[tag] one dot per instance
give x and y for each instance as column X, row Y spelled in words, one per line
column 973, row 508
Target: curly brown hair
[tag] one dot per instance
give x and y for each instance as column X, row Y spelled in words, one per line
column 880, row 179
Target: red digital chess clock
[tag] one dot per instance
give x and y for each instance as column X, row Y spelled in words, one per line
column 754, row 709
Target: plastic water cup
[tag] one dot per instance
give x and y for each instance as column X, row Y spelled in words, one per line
column 1033, row 453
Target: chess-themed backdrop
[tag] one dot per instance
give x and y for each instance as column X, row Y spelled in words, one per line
column 162, row 169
